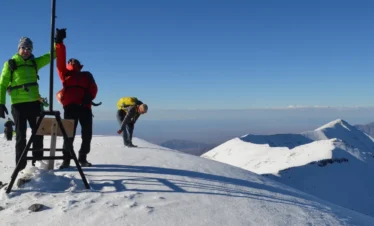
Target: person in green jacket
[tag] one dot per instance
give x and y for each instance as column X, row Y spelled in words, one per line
column 19, row 78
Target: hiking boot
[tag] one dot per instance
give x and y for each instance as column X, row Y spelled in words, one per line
column 83, row 160
column 131, row 145
column 84, row 163
column 65, row 164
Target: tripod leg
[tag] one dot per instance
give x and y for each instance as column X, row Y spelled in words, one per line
column 24, row 154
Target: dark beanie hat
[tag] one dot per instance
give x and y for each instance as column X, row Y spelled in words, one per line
column 75, row 61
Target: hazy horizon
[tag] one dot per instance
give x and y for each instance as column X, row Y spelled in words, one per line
column 218, row 126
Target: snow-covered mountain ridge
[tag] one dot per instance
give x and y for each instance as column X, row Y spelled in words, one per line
column 334, row 162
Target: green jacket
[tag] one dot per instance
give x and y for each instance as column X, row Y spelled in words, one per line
column 22, row 75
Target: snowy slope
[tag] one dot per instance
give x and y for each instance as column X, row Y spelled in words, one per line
column 263, row 159
column 334, row 162
column 344, row 131
column 152, row 185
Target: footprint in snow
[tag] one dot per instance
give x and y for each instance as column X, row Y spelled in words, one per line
column 68, row 204
column 90, row 202
column 18, row 210
column 110, row 204
column 150, row 209
column 132, row 196
column 38, row 195
column 134, row 204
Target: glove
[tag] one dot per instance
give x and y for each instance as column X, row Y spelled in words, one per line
column 3, row 110
column 60, row 35
column 119, row 131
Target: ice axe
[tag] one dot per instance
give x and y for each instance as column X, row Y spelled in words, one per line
column 96, row 104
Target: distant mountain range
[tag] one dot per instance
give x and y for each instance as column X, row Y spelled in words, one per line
column 199, row 148
column 187, row 146
column 334, row 162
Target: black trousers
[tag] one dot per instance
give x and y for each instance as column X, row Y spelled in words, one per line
column 83, row 115
column 8, row 133
column 23, row 113
column 128, row 130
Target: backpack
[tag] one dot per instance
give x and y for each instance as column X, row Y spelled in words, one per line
column 13, row 66
column 87, row 96
column 126, row 102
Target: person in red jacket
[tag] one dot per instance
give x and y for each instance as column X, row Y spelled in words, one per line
column 79, row 89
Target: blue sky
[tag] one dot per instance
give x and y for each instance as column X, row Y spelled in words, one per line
column 202, row 54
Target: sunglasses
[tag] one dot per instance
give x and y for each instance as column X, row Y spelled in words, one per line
column 26, row 48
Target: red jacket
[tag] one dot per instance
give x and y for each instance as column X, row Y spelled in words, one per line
column 76, row 83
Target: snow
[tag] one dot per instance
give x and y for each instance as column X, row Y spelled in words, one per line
column 334, row 162
column 151, row 185
column 263, row 159
column 334, row 124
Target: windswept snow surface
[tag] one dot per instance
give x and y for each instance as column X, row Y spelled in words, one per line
column 334, row 162
column 151, row 185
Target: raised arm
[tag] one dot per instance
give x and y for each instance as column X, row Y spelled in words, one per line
column 61, row 60
column 45, row 59
column 61, row 53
